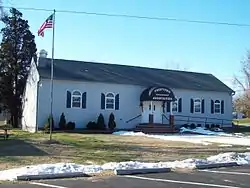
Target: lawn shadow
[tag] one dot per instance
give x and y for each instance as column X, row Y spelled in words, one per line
column 15, row 147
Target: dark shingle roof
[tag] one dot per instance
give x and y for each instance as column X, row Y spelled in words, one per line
column 123, row 74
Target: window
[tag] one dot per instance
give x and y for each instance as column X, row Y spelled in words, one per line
column 217, row 107
column 110, row 101
column 197, row 105
column 76, row 99
column 175, row 106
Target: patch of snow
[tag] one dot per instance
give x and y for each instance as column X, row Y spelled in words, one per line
column 200, row 130
column 211, row 137
column 11, row 174
column 225, row 145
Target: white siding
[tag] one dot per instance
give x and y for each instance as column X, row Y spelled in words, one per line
column 129, row 103
column 186, row 95
column 30, row 101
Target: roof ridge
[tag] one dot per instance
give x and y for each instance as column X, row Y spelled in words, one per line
column 134, row 66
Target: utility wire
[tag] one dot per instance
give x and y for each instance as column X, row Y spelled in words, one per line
column 134, row 16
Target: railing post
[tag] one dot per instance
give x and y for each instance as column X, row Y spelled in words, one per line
column 188, row 120
column 221, row 123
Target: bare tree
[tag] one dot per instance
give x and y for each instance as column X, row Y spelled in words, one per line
column 175, row 66
column 242, row 102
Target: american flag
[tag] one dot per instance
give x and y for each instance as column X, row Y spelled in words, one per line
column 47, row 24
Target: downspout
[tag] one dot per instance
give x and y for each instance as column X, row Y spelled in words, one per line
column 37, row 98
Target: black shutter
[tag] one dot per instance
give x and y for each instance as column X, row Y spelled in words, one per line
column 68, row 100
column 84, row 100
column 212, row 106
column 168, row 106
column 191, row 105
column 222, row 107
column 202, row 106
column 102, row 101
column 117, row 102
column 180, row 105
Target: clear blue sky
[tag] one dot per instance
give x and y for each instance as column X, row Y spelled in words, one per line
column 215, row 49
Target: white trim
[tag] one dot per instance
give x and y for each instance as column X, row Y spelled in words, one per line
column 72, row 95
column 200, row 105
column 110, row 98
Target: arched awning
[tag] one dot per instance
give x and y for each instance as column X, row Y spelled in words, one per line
column 157, row 94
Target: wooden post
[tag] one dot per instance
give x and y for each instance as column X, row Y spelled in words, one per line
column 171, row 117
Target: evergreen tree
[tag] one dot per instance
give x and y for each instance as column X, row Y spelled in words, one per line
column 16, row 52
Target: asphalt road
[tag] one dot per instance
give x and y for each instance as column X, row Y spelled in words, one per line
column 236, row 177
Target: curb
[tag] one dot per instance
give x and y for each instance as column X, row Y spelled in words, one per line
column 52, row 176
column 216, row 165
column 141, row 171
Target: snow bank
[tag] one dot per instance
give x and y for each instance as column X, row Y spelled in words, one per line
column 212, row 137
column 240, row 158
column 200, row 130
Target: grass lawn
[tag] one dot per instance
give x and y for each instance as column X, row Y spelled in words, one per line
column 25, row 149
column 245, row 121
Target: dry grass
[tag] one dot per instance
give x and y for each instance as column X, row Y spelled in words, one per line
column 26, row 149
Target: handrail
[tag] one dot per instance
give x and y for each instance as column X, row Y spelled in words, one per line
column 206, row 120
column 163, row 115
column 133, row 118
column 202, row 117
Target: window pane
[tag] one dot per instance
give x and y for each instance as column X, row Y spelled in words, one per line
column 109, row 100
column 197, row 106
column 174, row 106
column 217, row 108
column 109, row 95
column 76, row 93
column 110, row 106
column 76, row 102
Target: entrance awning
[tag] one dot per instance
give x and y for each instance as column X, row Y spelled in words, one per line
column 157, row 94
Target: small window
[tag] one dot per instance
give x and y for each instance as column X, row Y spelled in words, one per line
column 217, row 107
column 175, row 106
column 197, row 105
column 110, row 101
column 76, row 99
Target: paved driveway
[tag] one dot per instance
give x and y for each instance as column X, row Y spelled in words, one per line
column 236, row 177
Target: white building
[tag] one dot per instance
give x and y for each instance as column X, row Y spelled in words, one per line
column 83, row 90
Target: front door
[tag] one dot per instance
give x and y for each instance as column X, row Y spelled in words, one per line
column 152, row 112
column 157, row 111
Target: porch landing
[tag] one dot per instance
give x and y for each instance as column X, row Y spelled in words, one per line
column 155, row 128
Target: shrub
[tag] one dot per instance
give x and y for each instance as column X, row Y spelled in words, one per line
column 185, row 126
column 100, row 122
column 62, row 122
column 217, row 126
column 207, row 126
column 192, row 126
column 47, row 124
column 92, row 125
column 111, row 123
column 71, row 125
column 212, row 126
column 199, row 125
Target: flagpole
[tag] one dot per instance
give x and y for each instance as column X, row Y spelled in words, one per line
column 52, row 76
